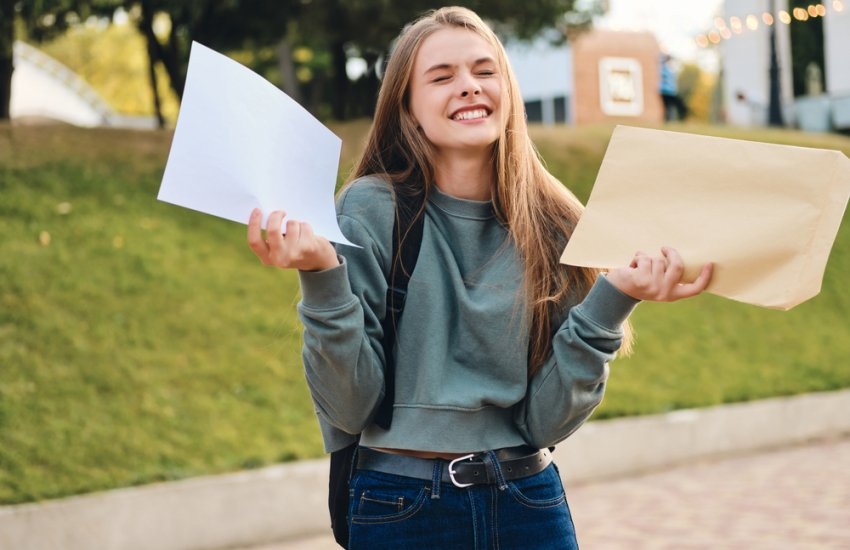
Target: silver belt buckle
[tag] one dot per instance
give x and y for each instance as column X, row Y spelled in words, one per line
column 452, row 472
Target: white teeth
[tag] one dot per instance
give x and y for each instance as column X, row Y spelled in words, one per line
column 470, row 115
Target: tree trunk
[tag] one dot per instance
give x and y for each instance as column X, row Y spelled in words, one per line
column 289, row 82
column 157, row 104
column 372, row 84
column 6, row 68
column 169, row 57
column 146, row 28
column 7, row 65
column 339, row 99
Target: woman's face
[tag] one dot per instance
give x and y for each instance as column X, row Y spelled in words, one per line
column 456, row 91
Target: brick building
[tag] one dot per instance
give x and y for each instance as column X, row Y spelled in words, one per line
column 600, row 76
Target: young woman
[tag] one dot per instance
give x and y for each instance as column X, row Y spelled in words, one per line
column 501, row 351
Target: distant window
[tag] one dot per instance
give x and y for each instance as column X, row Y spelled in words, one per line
column 534, row 111
column 547, row 111
column 620, row 86
column 561, row 109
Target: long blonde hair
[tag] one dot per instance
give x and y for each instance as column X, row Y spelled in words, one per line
column 539, row 212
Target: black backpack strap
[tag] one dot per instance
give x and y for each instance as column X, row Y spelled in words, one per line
column 342, row 463
column 407, row 238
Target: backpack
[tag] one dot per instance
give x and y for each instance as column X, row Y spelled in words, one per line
column 407, row 238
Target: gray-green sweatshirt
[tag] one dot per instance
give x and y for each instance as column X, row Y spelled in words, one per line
column 462, row 341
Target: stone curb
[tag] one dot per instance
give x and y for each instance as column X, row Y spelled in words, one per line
column 287, row 502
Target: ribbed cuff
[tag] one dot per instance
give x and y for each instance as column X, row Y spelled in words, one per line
column 325, row 289
column 606, row 305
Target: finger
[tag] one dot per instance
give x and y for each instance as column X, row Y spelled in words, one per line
column 255, row 234
column 699, row 284
column 305, row 233
column 674, row 267
column 641, row 262
column 274, row 234
column 702, row 281
column 671, row 254
column 659, row 268
column 293, row 232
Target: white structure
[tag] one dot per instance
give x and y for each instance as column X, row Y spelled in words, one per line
column 44, row 88
column 836, row 35
column 545, row 76
column 745, row 59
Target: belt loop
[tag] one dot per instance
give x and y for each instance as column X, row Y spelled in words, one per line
column 436, row 478
column 494, row 470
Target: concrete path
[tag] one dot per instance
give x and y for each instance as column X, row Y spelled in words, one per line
column 705, row 478
column 794, row 498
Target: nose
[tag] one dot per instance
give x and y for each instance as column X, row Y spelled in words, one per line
column 469, row 86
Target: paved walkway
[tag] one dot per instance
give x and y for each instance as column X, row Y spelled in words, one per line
column 796, row 498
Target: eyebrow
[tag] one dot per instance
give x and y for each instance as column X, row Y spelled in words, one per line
column 443, row 66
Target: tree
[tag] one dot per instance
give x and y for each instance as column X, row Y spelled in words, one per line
column 7, row 41
column 696, row 87
column 40, row 20
column 342, row 29
column 367, row 27
column 220, row 24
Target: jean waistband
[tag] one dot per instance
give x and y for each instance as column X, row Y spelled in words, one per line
column 472, row 469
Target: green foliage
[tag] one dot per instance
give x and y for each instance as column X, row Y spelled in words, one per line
column 141, row 342
column 254, row 29
column 697, row 89
column 113, row 61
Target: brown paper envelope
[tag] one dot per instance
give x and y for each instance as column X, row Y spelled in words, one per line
column 766, row 215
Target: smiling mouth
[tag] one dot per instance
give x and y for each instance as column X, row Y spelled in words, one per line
column 470, row 115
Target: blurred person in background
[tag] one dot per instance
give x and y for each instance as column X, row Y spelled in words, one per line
column 674, row 105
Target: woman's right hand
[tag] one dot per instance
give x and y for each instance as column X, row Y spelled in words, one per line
column 299, row 248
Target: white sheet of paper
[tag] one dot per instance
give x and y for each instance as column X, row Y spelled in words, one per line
column 242, row 143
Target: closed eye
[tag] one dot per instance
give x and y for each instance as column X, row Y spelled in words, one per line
column 485, row 67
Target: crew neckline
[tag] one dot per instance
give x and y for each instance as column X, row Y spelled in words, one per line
column 467, row 208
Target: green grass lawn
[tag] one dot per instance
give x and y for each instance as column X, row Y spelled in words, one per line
column 140, row 341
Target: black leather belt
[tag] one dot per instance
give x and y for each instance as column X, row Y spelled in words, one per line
column 472, row 469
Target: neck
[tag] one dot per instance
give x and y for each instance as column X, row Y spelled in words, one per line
column 465, row 177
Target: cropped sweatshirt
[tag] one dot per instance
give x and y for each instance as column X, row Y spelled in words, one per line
column 462, row 341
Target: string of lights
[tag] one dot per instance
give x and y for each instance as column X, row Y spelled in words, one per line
column 725, row 29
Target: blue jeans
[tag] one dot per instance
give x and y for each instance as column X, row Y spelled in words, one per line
column 391, row 511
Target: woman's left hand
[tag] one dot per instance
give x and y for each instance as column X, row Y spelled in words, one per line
column 658, row 278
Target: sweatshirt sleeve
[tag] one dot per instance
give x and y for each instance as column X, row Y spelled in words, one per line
column 571, row 383
column 341, row 310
